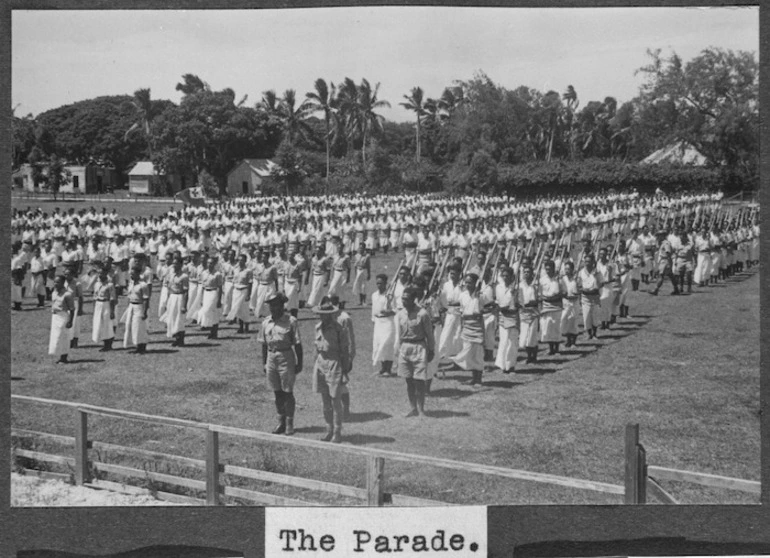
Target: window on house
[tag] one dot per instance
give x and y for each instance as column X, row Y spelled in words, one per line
column 245, row 187
column 76, row 182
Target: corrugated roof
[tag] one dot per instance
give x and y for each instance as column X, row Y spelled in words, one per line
column 144, row 168
column 263, row 167
column 680, row 152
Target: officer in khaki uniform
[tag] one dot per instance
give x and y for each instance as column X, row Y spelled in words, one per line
column 282, row 360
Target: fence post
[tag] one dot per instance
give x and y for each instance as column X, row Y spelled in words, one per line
column 212, row 468
column 641, row 481
column 81, row 447
column 632, row 464
column 375, row 467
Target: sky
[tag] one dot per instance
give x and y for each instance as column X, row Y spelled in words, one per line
column 60, row 57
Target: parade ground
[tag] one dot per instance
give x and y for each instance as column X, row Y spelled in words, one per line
column 685, row 368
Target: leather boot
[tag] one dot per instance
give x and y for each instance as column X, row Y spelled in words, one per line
column 281, row 427
column 141, row 348
column 289, row 426
column 336, row 435
column 40, row 300
column 180, row 342
column 214, row 331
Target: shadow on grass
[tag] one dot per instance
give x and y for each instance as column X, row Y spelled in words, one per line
column 442, row 413
column 161, row 351
column 451, row 393
column 368, row 417
column 615, row 336
column 232, row 337
column 502, row 384
column 535, row 371
column 200, row 345
column 363, row 439
column 85, row 360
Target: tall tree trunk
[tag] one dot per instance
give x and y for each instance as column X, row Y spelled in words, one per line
column 363, row 151
column 328, row 150
column 418, row 139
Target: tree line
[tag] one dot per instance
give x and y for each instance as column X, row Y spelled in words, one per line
column 476, row 136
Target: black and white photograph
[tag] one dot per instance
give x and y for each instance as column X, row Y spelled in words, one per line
column 385, row 256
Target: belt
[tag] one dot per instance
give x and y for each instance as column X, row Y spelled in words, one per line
column 413, row 341
column 102, row 300
column 211, row 289
column 241, row 288
column 175, row 292
column 264, row 283
column 290, row 280
column 269, row 350
column 132, row 302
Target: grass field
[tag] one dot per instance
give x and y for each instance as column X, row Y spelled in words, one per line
column 685, row 368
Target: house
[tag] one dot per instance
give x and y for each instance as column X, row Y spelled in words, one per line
column 680, row 152
column 143, row 180
column 249, row 177
column 91, row 178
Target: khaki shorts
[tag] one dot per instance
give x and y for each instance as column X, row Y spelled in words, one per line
column 280, row 370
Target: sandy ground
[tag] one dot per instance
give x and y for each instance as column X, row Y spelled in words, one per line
column 28, row 491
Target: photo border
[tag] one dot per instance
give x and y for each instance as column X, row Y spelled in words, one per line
column 532, row 530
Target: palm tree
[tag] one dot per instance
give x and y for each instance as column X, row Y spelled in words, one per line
column 294, row 119
column 450, row 100
column 322, row 100
column 192, row 84
column 348, row 110
column 269, row 102
column 146, row 112
column 571, row 98
column 414, row 102
column 368, row 121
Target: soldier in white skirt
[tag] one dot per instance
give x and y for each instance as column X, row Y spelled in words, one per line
column 529, row 298
column 551, row 307
column 176, row 307
column 105, row 301
column 62, row 316
column 136, row 313
column 384, row 332
column 340, row 271
column 569, row 314
column 589, row 284
column 73, row 284
column 362, row 265
column 228, row 267
column 242, row 281
column 508, row 323
column 471, row 356
column 212, row 283
column 449, row 343
column 320, row 268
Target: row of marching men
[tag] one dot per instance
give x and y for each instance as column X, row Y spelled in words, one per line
column 484, row 313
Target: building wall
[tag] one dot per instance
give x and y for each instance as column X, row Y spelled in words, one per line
column 243, row 173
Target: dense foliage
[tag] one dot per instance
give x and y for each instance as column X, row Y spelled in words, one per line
column 476, row 137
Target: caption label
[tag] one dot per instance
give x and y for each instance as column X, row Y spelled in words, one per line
column 456, row 532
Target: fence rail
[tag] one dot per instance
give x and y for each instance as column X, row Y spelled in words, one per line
column 373, row 494
column 642, row 478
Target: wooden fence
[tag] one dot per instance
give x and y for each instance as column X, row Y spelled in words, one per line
column 373, row 494
column 643, row 479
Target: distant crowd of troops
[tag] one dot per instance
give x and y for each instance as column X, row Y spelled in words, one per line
column 479, row 278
